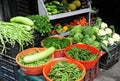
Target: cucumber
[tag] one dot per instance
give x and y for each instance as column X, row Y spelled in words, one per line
column 22, row 20
column 38, row 56
column 56, row 2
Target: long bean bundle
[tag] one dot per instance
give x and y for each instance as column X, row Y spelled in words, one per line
column 13, row 33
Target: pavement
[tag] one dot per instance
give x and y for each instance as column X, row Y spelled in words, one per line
column 112, row 74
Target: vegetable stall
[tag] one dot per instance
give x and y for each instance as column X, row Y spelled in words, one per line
column 95, row 44
column 101, row 37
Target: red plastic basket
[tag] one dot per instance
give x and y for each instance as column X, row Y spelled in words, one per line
column 88, row 64
column 48, row 67
column 31, row 70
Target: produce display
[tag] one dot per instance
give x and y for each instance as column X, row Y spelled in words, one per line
column 61, row 28
column 13, row 33
column 81, row 54
column 99, row 35
column 62, row 6
column 64, row 71
column 25, row 27
column 58, row 43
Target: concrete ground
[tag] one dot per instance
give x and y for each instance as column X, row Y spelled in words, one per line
column 112, row 74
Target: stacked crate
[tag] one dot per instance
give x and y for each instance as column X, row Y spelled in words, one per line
column 106, row 62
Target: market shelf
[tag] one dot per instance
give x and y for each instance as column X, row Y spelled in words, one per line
column 76, row 12
column 63, row 34
column 43, row 11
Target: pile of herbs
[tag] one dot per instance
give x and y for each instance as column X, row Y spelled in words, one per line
column 81, row 54
column 13, row 33
column 42, row 24
column 58, row 43
column 64, row 71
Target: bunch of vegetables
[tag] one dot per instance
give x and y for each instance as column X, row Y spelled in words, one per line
column 64, row 71
column 61, row 28
column 62, row 6
column 38, row 58
column 107, row 35
column 79, row 21
column 55, row 7
column 81, row 54
column 58, row 43
column 13, row 33
column 42, row 24
column 85, row 35
column 98, row 35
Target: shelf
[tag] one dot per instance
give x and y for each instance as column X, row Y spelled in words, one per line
column 63, row 34
column 43, row 11
column 62, row 15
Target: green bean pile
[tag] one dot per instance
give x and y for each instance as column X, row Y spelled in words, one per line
column 64, row 71
column 13, row 33
column 81, row 54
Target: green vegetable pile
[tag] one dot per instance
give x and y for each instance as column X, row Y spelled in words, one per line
column 85, row 35
column 81, row 54
column 56, row 7
column 58, row 43
column 42, row 24
column 13, row 33
column 36, row 63
column 64, row 71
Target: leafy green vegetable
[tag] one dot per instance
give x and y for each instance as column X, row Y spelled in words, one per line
column 42, row 24
column 98, row 22
column 81, row 54
column 76, row 29
column 78, row 37
column 58, row 43
column 13, row 33
column 104, row 47
column 64, row 71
